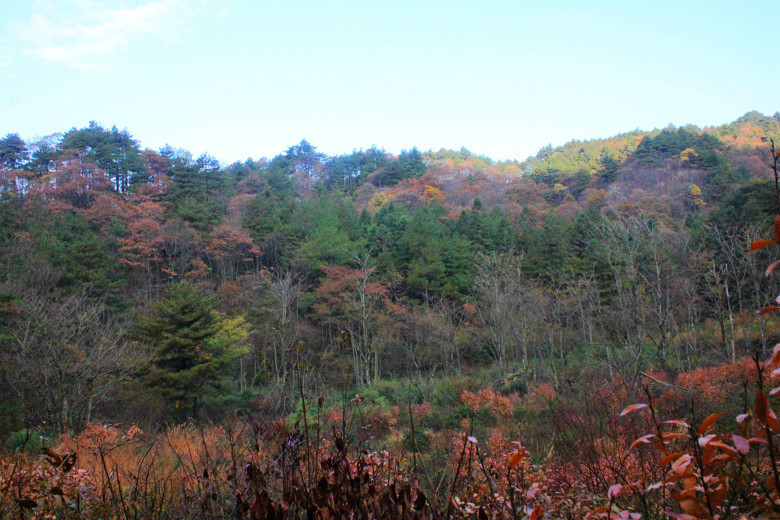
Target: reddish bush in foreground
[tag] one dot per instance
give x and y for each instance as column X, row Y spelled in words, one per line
column 708, row 474
column 253, row 471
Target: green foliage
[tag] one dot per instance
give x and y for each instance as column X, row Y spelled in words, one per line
column 691, row 147
column 611, row 241
column 191, row 347
column 13, row 151
column 348, row 172
column 480, row 163
column 27, row 440
column 408, row 165
column 42, row 159
column 751, row 202
column 85, row 261
column 432, row 259
column 332, row 230
column 559, row 164
column 487, row 230
column 303, row 156
column 769, row 124
column 114, row 151
column 609, row 170
column 548, row 248
column 196, row 195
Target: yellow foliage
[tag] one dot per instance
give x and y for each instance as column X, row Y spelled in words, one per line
column 233, row 332
column 686, row 154
column 432, row 194
column 380, row 199
column 696, row 194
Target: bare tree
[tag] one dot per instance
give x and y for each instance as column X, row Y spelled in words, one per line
column 62, row 358
column 741, row 285
column 283, row 289
column 505, row 307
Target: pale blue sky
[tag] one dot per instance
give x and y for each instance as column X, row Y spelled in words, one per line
column 241, row 78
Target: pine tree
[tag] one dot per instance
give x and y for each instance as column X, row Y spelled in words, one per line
column 189, row 354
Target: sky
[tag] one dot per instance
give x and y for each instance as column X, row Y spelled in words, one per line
column 249, row 78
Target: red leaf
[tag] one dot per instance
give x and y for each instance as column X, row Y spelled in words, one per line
column 741, row 443
column 772, row 422
column 645, row 439
column 722, row 446
column 669, row 458
column 707, row 423
column 759, row 244
column 680, row 466
column 678, row 422
column 703, row 441
column 772, row 267
column 655, row 486
column 537, row 513
column 516, row 459
column 774, row 358
column 769, row 308
column 53, row 457
column 614, row 490
column 632, row 408
column 599, row 511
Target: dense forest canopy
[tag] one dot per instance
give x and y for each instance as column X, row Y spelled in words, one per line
column 144, row 286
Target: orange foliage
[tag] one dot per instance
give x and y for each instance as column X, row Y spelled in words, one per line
column 540, row 397
column 718, row 382
column 432, row 194
column 500, row 405
column 106, row 208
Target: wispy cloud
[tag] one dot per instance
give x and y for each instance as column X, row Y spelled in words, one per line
column 87, row 34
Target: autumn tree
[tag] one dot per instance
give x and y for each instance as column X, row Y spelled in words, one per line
column 73, row 183
column 359, row 309
column 305, row 164
column 230, row 252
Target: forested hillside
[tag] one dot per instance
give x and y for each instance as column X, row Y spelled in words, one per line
column 424, row 296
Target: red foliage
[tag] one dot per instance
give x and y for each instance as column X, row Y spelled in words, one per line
column 498, row 404
column 107, row 208
column 72, row 184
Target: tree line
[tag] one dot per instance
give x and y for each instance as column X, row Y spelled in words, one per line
column 154, row 285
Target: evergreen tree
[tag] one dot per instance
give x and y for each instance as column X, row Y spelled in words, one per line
column 196, row 195
column 189, row 354
column 13, row 151
column 408, row 165
column 115, row 151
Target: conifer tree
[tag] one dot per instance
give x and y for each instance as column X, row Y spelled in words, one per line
column 189, row 353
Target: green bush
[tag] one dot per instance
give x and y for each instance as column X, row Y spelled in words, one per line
column 28, row 440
